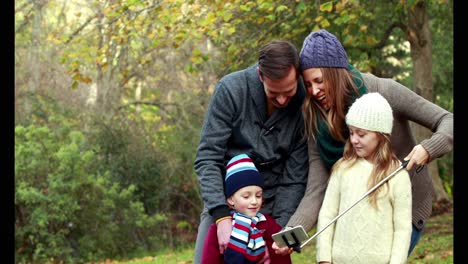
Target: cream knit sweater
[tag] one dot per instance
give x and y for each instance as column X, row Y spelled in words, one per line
column 364, row 234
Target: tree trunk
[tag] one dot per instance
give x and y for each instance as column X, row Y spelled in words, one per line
column 34, row 60
column 419, row 36
column 108, row 92
column 138, row 95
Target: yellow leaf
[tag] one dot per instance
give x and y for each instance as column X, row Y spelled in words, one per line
column 227, row 17
column 325, row 23
column 326, row 7
column 371, row 40
column 281, row 8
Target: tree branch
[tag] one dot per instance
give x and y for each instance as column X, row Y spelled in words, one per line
column 386, row 36
column 70, row 38
column 158, row 104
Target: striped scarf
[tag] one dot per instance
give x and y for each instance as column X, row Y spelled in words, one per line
column 246, row 244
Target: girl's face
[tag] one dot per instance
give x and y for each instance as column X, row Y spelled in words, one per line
column 247, row 200
column 364, row 142
column 313, row 81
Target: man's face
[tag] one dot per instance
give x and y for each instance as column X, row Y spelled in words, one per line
column 279, row 92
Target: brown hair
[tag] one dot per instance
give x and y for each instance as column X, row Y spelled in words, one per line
column 384, row 159
column 276, row 58
column 340, row 91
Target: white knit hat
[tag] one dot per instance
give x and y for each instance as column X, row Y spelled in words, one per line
column 371, row 112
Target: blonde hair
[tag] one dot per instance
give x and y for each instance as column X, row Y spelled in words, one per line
column 340, row 91
column 384, row 159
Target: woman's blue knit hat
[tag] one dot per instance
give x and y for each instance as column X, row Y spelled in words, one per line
column 241, row 172
column 321, row 49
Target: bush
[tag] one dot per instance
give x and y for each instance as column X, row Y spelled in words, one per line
column 66, row 210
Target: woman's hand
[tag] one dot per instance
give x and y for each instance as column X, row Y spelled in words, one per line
column 281, row 251
column 418, row 156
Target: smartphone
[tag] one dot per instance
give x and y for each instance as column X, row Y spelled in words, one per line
column 290, row 236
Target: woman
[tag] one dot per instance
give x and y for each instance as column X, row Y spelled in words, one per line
column 332, row 86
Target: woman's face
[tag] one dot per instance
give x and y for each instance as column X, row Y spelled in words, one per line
column 313, row 81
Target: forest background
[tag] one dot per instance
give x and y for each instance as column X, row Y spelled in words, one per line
column 110, row 96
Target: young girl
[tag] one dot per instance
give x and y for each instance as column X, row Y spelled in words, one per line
column 251, row 237
column 378, row 228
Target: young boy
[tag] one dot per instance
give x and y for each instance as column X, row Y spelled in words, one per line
column 250, row 240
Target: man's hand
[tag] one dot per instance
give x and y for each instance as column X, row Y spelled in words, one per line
column 224, row 232
column 418, row 156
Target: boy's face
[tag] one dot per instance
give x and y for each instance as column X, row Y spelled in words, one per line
column 247, row 200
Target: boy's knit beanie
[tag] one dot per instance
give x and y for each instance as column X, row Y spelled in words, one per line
column 321, row 49
column 241, row 172
column 371, row 112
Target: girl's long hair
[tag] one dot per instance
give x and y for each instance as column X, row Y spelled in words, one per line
column 384, row 159
column 340, row 91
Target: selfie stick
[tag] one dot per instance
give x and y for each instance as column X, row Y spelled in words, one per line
column 296, row 245
column 403, row 165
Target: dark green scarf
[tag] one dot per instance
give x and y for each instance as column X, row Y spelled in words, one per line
column 330, row 149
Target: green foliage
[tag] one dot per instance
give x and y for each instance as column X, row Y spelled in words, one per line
column 43, row 209
column 152, row 149
column 442, row 57
column 66, row 210
column 445, row 165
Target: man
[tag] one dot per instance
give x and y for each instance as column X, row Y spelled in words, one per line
column 255, row 111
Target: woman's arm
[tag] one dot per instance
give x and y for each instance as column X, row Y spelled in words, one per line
column 307, row 212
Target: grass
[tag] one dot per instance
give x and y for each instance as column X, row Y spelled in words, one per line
column 435, row 246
